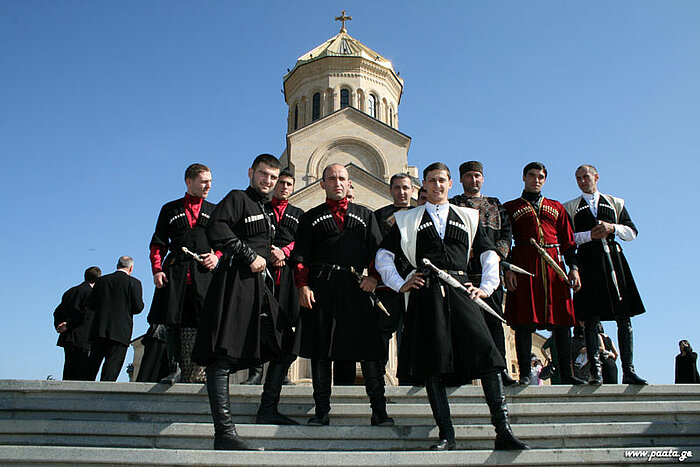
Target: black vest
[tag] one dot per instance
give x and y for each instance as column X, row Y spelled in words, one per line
column 449, row 253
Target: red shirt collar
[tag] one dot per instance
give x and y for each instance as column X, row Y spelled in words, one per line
column 279, row 202
column 337, row 205
column 189, row 199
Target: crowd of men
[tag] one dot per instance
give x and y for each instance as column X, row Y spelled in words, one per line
column 255, row 279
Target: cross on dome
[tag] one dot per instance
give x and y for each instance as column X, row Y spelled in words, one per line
column 343, row 18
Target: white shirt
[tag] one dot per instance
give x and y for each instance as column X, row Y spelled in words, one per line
column 622, row 231
column 384, row 260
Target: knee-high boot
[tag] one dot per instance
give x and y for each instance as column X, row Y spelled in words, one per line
column 523, row 349
column 255, row 374
column 268, row 412
column 173, row 346
column 437, row 395
column 562, row 341
column 593, row 351
column 625, row 339
column 225, row 436
column 321, row 379
column 496, row 400
column 373, row 371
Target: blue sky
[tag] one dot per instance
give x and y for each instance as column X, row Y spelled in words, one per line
column 104, row 104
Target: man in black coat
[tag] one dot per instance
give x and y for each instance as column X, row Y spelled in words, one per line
column 335, row 243
column 115, row 299
column 446, row 340
column 240, row 326
column 72, row 320
column 182, row 280
column 496, row 225
column 608, row 291
column 285, row 218
column 401, row 190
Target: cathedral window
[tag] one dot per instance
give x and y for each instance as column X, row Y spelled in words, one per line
column 344, row 98
column 316, row 107
column 391, row 117
column 296, row 116
column 372, row 107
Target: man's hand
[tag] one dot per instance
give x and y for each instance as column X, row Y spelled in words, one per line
column 575, row 280
column 61, row 328
column 511, row 280
column 602, row 230
column 306, row 297
column 210, row 260
column 474, row 292
column 277, row 255
column 368, row 283
column 259, row 264
column 159, row 279
column 416, row 281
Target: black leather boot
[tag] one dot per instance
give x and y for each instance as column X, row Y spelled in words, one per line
column 506, row 379
column 437, row 396
column 562, row 341
column 626, row 341
column 255, row 374
column 321, row 379
column 174, row 350
column 496, row 400
column 268, row 413
column 523, row 349
column 225, row 436
column 175, row 375
column 593, row 351
column 373, row 372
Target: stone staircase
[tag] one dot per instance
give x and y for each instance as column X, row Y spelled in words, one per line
column 91, row 423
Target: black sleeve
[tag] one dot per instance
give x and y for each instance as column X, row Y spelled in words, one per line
column 59, row 313
column 392, row 240
column 226, row 215
column 481, row 242
column 625, row 219
column 77, row 304
column 570, row 258
column 302, row 240
column 136, row 297
column 374, row 238
column 160, row 236
column 505, row 236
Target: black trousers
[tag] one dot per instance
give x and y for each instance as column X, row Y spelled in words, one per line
column 113, row 353
column 609, row 370
column 75, row 367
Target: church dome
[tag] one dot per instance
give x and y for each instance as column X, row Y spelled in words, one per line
column 343, row 45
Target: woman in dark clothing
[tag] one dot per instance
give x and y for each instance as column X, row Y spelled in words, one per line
column 686, row 365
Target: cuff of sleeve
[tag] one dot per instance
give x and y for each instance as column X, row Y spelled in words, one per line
column 582, row 237
column 490, row 274
column 301, row 275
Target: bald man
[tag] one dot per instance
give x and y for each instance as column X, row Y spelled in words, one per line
column 335, row 243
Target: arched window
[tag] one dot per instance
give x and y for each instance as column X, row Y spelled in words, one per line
column 296, row 116
column 316, row 107
column 391, row 117
column 344, row 98
column 372, row 107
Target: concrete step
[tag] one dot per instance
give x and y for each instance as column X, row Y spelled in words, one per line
column 340, row 438
column 185, row 403
column 71, row 456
